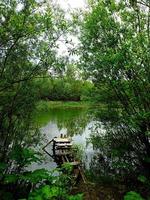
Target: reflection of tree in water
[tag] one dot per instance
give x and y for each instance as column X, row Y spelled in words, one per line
column 77, row 125
column 73, row 119
column 118, row 148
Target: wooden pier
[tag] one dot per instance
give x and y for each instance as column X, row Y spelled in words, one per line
column 63, row 152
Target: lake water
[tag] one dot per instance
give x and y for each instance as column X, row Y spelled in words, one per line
column 74, row 122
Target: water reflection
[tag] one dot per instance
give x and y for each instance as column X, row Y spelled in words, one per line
column 74, row 120
column 76, row 123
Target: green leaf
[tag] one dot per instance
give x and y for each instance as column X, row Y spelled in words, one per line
column 143, row 179
column 36, row 176
column 10, row 178
column 133, row 196
column 2, row 166
column 46, row 191
column 76, row 197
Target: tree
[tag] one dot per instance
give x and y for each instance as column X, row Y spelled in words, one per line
column 115, row 52
column 28, row 34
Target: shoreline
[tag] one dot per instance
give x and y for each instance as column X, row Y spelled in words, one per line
column 66, row 104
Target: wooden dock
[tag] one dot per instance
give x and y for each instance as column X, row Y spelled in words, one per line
column 63, row 152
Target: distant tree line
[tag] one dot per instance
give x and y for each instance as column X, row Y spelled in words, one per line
column 63, row 89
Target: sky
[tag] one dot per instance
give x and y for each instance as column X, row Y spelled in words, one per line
column 72, row 4
column 67, row 6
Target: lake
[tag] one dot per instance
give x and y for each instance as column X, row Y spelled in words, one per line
column 77, row 123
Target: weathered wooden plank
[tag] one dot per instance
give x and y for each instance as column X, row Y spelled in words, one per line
column 63, row 159
column 63, row 144
column 66, row 158
column 59, row 147
column 63, row 148
column 62, row 140
column 74, row 163
column 62, row 153
column 47, row 144
column 82, row 174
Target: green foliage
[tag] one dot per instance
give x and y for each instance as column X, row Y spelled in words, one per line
column 46, row 192
column 114, row 47
column 67, row 168
column 58, row 187
column 143, row 179
column 36, row 176
column 24, row 156
column 133, row 196
column 29, row 31
column 64, row 89
column 76, row 197
column 10, row 178
column 78, row 151
column 28, row 35
column 2, row 166
column 43, row 184
column 114, row 54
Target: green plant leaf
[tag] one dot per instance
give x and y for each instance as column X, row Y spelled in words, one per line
column 143, row 179
column 133, row 196
column 10, row 178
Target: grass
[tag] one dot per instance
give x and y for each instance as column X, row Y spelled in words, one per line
column 64, row 104
column 61, row 111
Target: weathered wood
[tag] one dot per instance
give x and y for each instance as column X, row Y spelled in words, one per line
column 75, row 163
column 82, row 174
column 62, row 140
column 63, row 159
column 62, row 153
column 63, row 144
column 66, row 158
column 47, row 153
column 48, row 144
column 62, row 148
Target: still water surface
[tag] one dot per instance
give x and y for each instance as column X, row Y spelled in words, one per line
column 77, row 123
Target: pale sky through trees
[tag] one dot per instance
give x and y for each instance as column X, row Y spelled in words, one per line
column 73, row 4
column 69, row 6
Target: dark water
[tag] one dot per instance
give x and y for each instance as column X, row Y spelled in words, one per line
column 74, row 122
